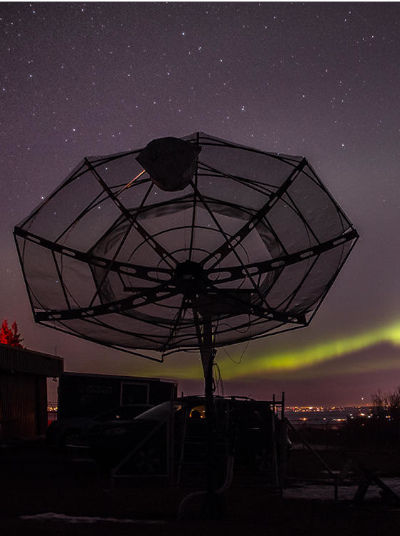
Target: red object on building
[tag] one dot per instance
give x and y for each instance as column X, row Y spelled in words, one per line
column 10, row 336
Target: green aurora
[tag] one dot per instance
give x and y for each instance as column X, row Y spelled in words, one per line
column 299, row 362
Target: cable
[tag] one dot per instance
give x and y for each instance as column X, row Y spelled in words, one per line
column 241, row 357
column 218, row 380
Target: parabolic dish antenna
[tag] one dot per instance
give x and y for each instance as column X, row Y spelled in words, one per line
column 188, row 243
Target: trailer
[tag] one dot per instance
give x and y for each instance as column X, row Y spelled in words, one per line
column 86, row 401
column 88, row 395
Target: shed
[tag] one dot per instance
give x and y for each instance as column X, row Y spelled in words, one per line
column 88, row 395
column 23, row 391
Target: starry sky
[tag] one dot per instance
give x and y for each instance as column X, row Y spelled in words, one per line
column 313, row 79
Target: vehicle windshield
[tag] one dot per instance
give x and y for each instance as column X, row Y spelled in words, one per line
column 160, row 412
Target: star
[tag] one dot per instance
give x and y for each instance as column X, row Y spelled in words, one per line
column 97, row 79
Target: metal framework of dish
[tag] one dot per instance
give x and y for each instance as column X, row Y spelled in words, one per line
column 248, row 245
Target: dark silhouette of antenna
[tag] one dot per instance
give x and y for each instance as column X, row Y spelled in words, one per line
column 188, row 243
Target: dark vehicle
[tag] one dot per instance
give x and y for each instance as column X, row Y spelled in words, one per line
column 174, row 433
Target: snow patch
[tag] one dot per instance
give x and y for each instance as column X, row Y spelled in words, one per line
column 325, row 492
column 51, row 516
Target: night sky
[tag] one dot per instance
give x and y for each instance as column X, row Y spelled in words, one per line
column 316, row 79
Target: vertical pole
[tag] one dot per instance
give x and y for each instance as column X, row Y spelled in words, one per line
column 283, row 444
column 182, row 447
column 274, row 453
column 171, row 442
column 211, row 510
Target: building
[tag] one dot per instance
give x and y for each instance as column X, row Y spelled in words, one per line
column 88, row 395
column 23, row 391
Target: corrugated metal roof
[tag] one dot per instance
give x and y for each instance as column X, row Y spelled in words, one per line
column 29, row 362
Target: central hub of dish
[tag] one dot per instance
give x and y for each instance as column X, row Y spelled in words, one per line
column 190, row 278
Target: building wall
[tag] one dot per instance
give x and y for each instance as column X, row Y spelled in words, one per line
column 29, row 362
column 23, row 405
column 84, row 395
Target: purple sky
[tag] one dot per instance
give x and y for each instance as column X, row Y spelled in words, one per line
column 319, row 80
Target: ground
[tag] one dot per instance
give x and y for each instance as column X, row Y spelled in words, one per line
column 37, row 480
